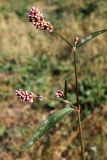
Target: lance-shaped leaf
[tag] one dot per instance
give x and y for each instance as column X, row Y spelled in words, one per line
column 89, row 37
column 46, row 125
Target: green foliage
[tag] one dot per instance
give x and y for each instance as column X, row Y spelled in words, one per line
column 2, row 130
column 19, row 7
column 54, row 2
column 38, row 71
column 87, row 10
column 4, row 9
column 47, row 125
column 9, row 68
column 35, row 72
column 92, row 93
column 40, row 75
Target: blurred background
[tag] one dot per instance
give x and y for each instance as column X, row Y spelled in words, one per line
column 38, row 61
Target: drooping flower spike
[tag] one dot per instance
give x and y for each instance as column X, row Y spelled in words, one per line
column 37, row 19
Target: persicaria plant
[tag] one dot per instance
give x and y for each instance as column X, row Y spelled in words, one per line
column 37, row 19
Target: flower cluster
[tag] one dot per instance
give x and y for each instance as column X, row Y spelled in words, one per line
column 27, row 96
column 37, row 19
column 30, row 96
column 24, row 95
column 59, row 94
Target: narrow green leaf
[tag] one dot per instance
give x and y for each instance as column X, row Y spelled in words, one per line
column 65, row 90
column 89, row 37
column 46, row 125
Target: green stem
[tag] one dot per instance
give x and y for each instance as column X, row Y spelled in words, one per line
column 78, row 108
column 81, row 136
column 62, row 100
column 63, row 39
column 77, row 95
column 76, row 80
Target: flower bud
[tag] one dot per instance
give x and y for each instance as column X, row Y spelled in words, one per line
column 59, row 94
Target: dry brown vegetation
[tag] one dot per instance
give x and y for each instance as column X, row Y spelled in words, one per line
column 20, row 44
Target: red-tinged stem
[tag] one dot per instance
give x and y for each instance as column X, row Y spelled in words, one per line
column 78, row 108
column 77, row 95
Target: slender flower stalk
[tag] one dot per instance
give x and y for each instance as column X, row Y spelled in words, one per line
column 78, row 106
column 69, row 44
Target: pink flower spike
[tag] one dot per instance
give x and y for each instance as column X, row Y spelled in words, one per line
column 25, row 96
column 28, row 96
column 59, row 94
column 37, row 19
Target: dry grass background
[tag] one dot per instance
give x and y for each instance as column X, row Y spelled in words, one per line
column 19, row 41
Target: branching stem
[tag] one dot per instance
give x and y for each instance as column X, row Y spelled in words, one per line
column 77, row 95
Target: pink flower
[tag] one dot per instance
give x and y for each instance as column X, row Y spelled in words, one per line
column 59, row 94
column 28, row 96
column 25, row 96
column 37, row 19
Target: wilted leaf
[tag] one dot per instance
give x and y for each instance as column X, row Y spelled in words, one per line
column 46, row 125
column 89, row 37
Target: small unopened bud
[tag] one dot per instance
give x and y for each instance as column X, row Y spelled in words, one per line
column 59, row 94
column 76, row 40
